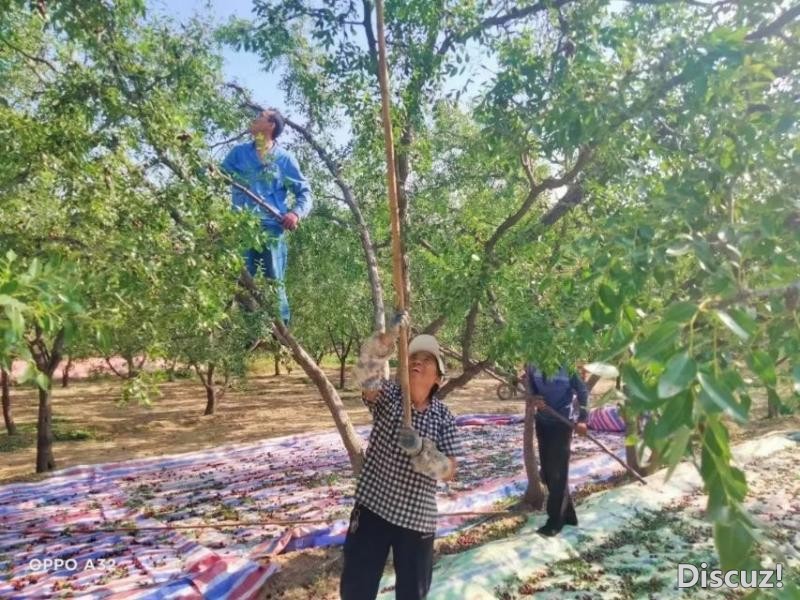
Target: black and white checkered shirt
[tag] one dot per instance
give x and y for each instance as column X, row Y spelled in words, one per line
column 388, row 486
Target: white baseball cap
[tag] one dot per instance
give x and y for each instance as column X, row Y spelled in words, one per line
column 428, row 343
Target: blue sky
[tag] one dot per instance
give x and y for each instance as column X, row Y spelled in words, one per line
column 245, row 68
column 242, row 67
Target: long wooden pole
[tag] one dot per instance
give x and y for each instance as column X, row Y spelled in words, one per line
column 549, row 410
column 394, row 212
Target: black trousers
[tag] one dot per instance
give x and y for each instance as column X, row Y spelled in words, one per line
column 554, row 441
column 365, row 551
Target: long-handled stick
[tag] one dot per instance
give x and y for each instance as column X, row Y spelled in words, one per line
column 250, row 194
column 394, row 213
column 549, row 410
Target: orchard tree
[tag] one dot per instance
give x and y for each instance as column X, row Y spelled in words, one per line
column 610, row 203
column 106, row 203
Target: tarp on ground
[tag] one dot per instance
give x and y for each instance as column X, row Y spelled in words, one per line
column 299, row 477
column 482, row 573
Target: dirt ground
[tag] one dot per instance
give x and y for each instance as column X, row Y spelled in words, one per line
column 261, row 407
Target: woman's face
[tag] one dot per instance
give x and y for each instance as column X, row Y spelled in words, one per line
column 422, row 369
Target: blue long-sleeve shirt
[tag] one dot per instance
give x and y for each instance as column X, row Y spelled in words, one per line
column 558, row 391
column 271, row 179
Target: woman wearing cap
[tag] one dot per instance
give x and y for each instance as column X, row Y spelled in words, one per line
column 395, row 496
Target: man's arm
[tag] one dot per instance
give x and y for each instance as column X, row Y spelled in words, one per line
column 231, row 167
column 230, row 164
column 297, row 182
column 583, row 398
column 583, row 401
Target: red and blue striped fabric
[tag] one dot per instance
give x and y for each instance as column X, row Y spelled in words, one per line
column 300, row 477
column 606, row 418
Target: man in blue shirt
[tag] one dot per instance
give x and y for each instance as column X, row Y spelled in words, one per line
column 270, row 172
column 554, row 437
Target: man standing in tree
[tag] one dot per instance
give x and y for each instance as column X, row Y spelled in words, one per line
column 269, row 171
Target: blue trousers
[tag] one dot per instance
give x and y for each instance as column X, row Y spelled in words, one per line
column 271, row 261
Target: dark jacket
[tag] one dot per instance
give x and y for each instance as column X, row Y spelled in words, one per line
column 558, row 392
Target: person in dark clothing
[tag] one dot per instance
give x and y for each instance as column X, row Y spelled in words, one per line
column 557, row 392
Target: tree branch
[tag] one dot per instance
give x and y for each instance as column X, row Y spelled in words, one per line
column 584, row 155
column 38, row 59
column 228, row 141
column 497, row 21
column 469, row 333
column 113, row 369
column 497, row 316
column 774, row 28
column 372, row 45
column 434, row 326
column 571, row 199
column 790, row 290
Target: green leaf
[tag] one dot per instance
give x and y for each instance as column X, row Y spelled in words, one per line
column 42, row 380
column 600, row 314
column 734, row 541
column 609, row 297
column 6, row 300
column 679, row 374
column 618, row 339
column 676, row 413
column 773, row 399
column 659, row 340
column 17, row 321
column 720, row 395
column 738, row 322
column 635, row 386
column 677, row 448
column 680, row 312
column 762, row 365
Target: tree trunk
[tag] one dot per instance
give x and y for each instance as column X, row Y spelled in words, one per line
column 44, row 432
column 461, row 380
column 632, row 458
column 65, row 373
column 370, row 257
column 207, row 380
column 773, row 408
column 277, row 357
column 534, row 495
column 211, row 400
column 46, row 363
column 171, row 370
column 131, row 368
column 631, row 450
column 352, row 442
column 5, row 386
column 343, row 361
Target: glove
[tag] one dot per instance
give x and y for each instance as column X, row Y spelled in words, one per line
column 408, row 439
column 430, row 462
column 400, row 319
column 376, row 351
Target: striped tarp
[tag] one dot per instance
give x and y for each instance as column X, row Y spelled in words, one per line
column 299, row 477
